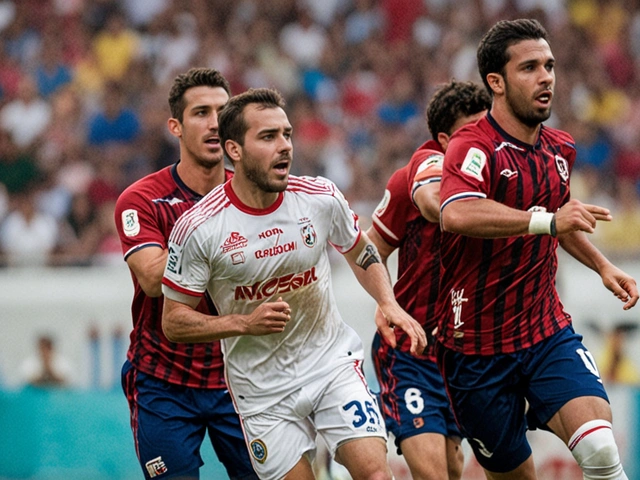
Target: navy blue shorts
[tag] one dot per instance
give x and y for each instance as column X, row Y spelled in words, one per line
column 412, row 399
column 169, row 424
column 488, row 393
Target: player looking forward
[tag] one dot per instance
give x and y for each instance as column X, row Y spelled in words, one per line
column 504, row 338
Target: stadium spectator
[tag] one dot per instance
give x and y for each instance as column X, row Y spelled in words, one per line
column 293, row 365
column 26, row 117
column 47, row 368
column 508, row 353
column 28, row 236
column 115, row 122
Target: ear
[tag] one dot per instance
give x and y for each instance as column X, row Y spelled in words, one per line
column 443, row 140
column 496, row 82
column 175, row 127
column 233, row 149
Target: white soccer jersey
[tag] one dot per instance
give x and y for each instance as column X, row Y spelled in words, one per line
column 244, row 257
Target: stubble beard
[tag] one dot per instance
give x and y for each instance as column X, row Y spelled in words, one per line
column 526, row 114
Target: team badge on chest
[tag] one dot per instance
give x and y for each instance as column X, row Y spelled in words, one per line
column 309, row 235
column 563, row 168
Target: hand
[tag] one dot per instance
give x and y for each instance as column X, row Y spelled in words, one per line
column 575, row 215
column 268, row 318
column 395, row 316
column 622, row 285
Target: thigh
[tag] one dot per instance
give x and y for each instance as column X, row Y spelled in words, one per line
column 413, row 399
column 279, row 439
column 561, row 369
column 344, row 408
column 488, row 402
column 166, row 429
column 225, row 432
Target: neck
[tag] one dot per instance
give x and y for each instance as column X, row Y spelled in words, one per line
column 251, row 194
column 513, row 126
column 199, row 178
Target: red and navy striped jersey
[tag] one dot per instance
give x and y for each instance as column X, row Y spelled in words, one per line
column 499, row 295
column 145, row 214
column 400, row 223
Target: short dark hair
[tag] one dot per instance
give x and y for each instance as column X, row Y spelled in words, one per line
column 231, row 122
column 492, row 50
column 452, row 101
column 195, row 77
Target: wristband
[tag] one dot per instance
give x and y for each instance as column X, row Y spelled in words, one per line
column 542, row 223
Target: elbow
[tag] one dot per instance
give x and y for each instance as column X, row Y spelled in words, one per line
column 449, row 221
column 169, row 330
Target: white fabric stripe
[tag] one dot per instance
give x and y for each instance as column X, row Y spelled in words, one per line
column 384, row 228
column 459, row 196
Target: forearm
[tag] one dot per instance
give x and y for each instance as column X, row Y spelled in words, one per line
column 577, row 245
column 182, row 324
column 484, row 218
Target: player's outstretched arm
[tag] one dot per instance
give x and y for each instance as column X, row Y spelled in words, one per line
column 622, row 285
column 374, row 277
column 182, row 323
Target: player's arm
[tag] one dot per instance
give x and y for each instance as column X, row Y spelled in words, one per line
column 182, row 323
column 621, row 284
column 427, row 199
column 486, row 218
column 147, row 264
column 365, row 262
column 384, row 249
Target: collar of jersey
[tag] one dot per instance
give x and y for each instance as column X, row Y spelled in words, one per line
column 246, row 208
column 511, row 139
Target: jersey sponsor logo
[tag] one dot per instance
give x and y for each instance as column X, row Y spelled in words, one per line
column 508, row 173
column 237, row 258
column 309, row 235
column 259, row 450
column 563, row 168
column 170, row 201
column 437, row 159
column 275, row 286
column 234, row 242
column 457, row 299
column 276, row 250
column 474, row 163
column 130, row 222
column 173, row 258
column 271, row 232
column 384, row 203
column 510, row 145
column 482, row 449
column 156, row 467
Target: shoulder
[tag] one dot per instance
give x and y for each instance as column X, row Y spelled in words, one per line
column 206, row 209
column 312, row 185
column 147, row 188
column 558, row 136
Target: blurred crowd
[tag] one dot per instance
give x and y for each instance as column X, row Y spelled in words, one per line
column 84, row 85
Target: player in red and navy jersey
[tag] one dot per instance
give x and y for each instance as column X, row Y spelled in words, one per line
column 504, row 338
column 177, row 392
column 413, row 398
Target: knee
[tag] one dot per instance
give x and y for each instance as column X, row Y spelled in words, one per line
column 594, row 448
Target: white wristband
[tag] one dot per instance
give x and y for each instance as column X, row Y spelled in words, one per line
column 541, row 223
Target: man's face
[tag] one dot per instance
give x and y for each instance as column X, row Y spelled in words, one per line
column 267, row 151
column 529, row 81
column 198, row 131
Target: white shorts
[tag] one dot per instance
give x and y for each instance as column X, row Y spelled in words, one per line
column 338, row 407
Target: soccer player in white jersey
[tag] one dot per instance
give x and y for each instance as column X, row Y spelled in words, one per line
column 258, row 245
